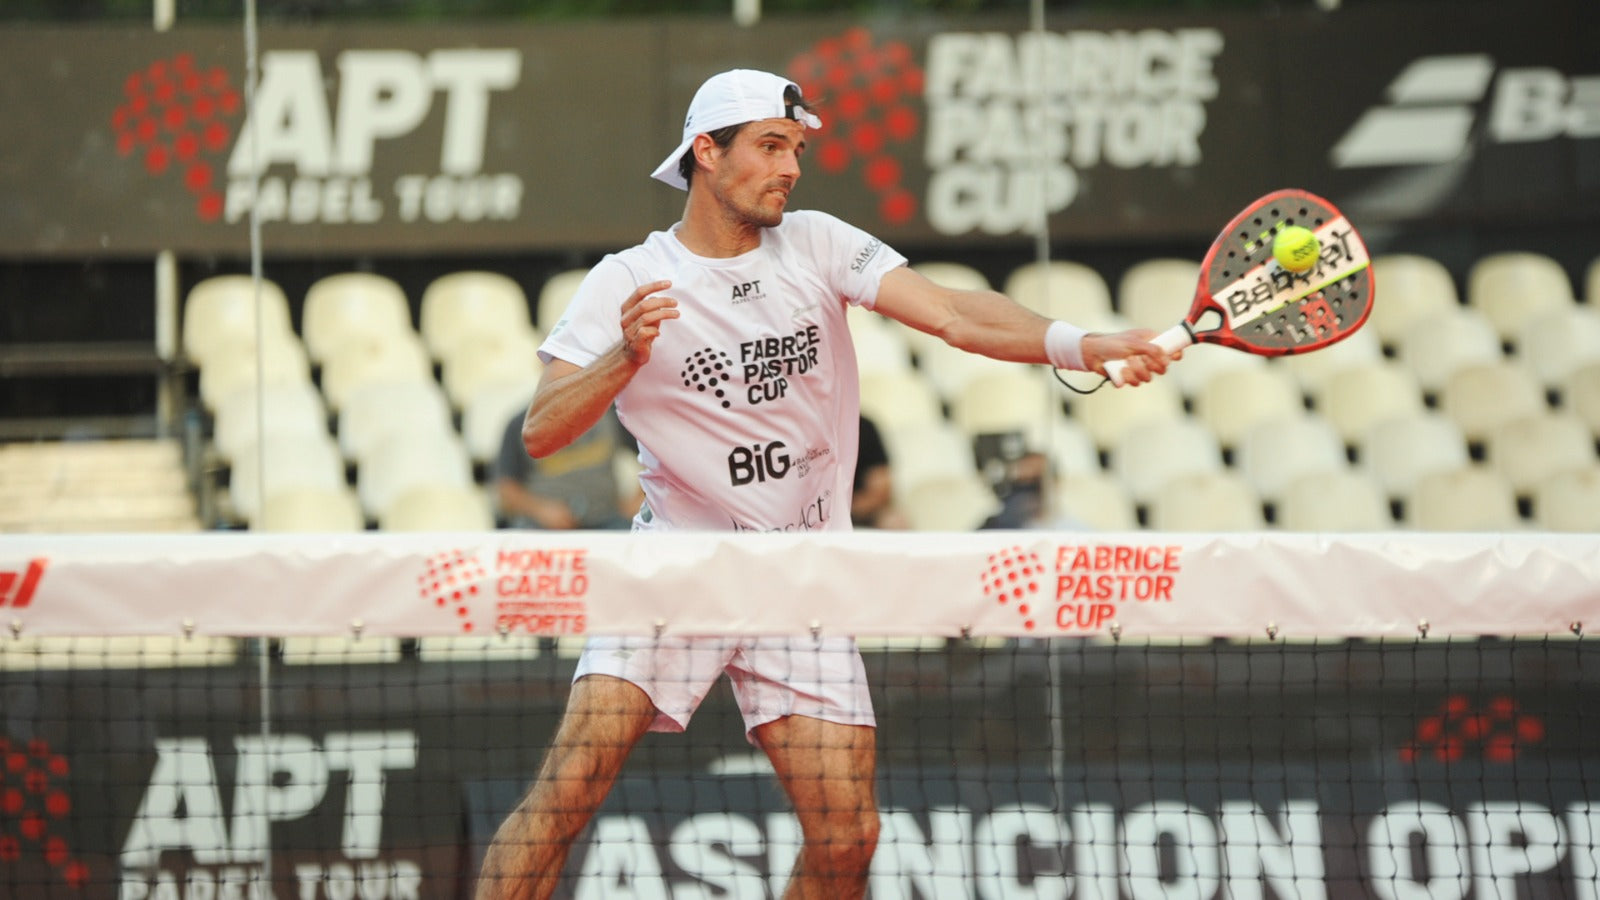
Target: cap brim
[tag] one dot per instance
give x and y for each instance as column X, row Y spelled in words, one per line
column 668, row 172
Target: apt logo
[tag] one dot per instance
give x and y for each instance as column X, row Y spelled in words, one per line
column 177, row 117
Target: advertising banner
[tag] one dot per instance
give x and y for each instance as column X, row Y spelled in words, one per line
column 1012, row 584
column 1468, row 773
column 937, row 132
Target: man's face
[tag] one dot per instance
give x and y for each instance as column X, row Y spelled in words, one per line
column 754, row 175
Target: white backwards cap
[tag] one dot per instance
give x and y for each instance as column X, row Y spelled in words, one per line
column 732, row 98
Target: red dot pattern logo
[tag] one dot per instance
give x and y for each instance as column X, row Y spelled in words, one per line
column 1498, row 732
column 1012, row 579
column 176, row 119
column 33, row 800
column 869, row 91
column 450, row 582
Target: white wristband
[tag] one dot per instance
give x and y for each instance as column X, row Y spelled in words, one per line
column 1063, row 345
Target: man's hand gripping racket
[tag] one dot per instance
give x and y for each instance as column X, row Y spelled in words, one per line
column 1248, row 301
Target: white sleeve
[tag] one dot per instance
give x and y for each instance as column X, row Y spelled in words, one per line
column 592, row 323
column 853, row 261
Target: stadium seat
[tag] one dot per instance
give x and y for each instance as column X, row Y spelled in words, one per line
column 1013, row 399
column 489, row 411
column 1398, row 451
column 1468, row 498
column 1235, row 399
column 282, row 463
column 1482, row 397
column 219, row 315
column 1313, row 370
column 952, row 275
column 281, row 363
column 462, row 308
column 338, row 651
column 384, row 411
column 1569, row 501
column 311, row 510
column 1558, row 343
column 352, row 305
column 1094, row 500
column 1202, row 362
column 927, row 451
column 554, row 295
column 1063, row 290
column 1359, row 396
column 1448, row 342
column 394, row 467
column 1580, row 393
column 394, row 357
column 1412, row 289
column 1530, row 450
column 439, row 508
column 878, row 346
column 1201, row 501
column 478, row 648
column 509, row 356
column 126, row 651
column 1278, row 450
column 1511, row 288
column 1336, row 501
column 1152, row 453
column 895, row 399
column 1156, row 293
column 947, row 369
column 295, row 408
column 1068, row 447
column 950, row 503
column 1108, row 412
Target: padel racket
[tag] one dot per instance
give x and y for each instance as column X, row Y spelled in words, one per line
column 1247, row 301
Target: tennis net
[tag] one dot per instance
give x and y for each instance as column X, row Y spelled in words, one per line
column 1191, row 716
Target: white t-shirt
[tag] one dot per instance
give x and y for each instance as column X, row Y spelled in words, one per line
column 747, row 413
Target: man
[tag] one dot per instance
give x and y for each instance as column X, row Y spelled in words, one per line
column 575, row 487
column 723, row 344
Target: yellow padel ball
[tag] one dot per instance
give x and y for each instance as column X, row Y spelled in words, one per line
column 1296, row 248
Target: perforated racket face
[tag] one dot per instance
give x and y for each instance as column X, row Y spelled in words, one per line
column 1249, row 302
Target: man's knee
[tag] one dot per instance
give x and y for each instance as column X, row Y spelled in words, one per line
column 847, row 841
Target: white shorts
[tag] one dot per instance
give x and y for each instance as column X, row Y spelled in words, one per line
column 772, row 677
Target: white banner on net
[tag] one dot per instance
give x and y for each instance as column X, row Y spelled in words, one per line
column 1035, row 584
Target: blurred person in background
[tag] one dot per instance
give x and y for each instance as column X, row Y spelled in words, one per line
column 574, row 488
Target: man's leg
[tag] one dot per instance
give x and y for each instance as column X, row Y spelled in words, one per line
column 605, row 718
column 827, row 769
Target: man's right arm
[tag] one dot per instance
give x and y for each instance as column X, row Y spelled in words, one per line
column 571, row 398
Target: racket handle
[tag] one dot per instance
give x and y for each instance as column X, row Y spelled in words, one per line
column 1172, row 340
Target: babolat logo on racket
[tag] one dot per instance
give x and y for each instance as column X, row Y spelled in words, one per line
column 1432, row 113
column 1268, row 288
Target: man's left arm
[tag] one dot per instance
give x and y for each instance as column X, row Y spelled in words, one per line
column 991, row 324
